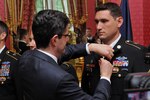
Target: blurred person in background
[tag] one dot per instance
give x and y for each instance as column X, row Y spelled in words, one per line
column 23, row 40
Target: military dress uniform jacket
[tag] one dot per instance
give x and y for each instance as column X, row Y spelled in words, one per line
column 8, row 61
column 128, row 58
column 41, row 78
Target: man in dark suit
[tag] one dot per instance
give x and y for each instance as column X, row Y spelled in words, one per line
column 39, row 77
column 23, row 40
column 128, row 56
column 8, row 60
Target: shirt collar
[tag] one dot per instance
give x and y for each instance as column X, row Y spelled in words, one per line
column 52, row 56
column 2, row 49
column 22, row 41
column 115, row 42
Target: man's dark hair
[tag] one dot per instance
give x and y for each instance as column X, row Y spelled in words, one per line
column 3, row 28
column 114, row 9
column 46, row 24
column 22, row 32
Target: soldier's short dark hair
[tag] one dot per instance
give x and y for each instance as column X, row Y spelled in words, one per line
column 114, row 9
column 22, row 32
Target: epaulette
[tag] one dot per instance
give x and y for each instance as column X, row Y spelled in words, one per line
column 67, row 64
column 131, row 43
column 13, row 55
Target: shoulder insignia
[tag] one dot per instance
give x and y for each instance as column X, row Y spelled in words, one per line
column 13, row 55
column 131, row 43
column 66, row 64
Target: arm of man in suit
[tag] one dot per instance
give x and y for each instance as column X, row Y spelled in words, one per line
column 101, row 49
column 68, row 89
column 79, row 50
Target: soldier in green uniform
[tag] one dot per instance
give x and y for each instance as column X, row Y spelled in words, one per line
column 8, row 61
column 128, row 56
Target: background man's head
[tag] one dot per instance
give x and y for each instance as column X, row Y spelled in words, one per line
column 88, row 32
column 23, row 35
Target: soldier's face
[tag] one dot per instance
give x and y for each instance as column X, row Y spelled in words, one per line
column 88, row 32
column 107, row 26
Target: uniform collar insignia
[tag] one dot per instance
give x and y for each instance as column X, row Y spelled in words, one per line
column 121, row 58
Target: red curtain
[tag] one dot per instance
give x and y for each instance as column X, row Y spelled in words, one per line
column 27, row 17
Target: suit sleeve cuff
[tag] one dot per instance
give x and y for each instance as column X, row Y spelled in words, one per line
column 87, row 48
column 103, row 77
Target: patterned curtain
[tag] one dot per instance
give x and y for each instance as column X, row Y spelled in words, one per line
column 28, row 14
column 16, row 13
column 78, row 17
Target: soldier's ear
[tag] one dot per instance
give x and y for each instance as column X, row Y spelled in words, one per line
column 120, row 21
column 2, row 36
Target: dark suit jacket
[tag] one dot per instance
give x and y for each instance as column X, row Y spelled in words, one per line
column 128, row 59
column 8, row 61
column 41, row 78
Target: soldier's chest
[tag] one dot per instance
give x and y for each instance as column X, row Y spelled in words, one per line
column 122, row 64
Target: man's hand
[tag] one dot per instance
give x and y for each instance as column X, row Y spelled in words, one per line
column 102, row 49
column 105, row 68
